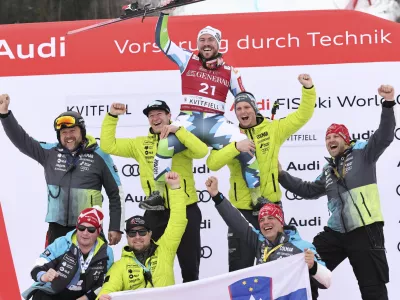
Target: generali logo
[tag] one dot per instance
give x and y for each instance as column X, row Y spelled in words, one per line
column 48, row 49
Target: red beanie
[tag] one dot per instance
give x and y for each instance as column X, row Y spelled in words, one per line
column 271, row 209
column 92, row 215
column 341, row 130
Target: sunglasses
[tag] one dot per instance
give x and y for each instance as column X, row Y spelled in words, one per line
column 132, row 233
column 64, row 122
column 83, row 228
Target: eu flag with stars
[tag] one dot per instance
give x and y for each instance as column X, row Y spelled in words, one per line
column 257, row 288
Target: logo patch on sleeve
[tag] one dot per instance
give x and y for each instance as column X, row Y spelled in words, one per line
column 47, row 252
column 115, row 168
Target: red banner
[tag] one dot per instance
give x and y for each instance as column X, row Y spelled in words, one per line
column 8, row 279
column 251, row 39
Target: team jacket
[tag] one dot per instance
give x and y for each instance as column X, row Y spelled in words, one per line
column 202, row 89
column 349, row 181
column 288, row 243
column 268, row 137
column 126, row 274
column 74, row 182
column 144, row 148
column 63, row 257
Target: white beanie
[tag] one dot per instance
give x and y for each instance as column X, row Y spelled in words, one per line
column 212, row 31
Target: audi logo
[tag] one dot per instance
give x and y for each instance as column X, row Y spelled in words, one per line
column 290, row 196
column 206, row 252
column 398, row 190
column 131, row 170
column 203, row 196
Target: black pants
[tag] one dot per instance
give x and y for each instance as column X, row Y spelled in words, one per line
column 240, row 254
column 55, row 231
column 365, row 249
column 64, row 295
column 189, row 251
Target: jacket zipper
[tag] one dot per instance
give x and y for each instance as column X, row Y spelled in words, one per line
column 149, row 186
column 273, row 181
column 91, row 200
column 166, row 193
column 365, row 205
column 69, row 196
column 341, row 211
column 234, row 189
column 184, row 182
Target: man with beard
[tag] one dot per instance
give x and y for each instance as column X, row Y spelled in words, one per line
column 75, row 169
column 355, row 226
column 145, row 263
column 206, row 81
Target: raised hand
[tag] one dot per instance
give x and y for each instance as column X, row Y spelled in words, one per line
column 309, row 258
column 117, row 109
column 212, row 185
column 4, row 103
column 167, row 129
column 306, row 80
column 173, row 180
column 386, row 92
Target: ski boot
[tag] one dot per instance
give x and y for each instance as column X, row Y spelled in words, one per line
column 154, row 202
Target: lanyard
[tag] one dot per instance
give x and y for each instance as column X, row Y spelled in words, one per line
column 268, row 253
column 85, row 263
column 142, row 266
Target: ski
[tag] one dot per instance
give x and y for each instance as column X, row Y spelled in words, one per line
column 133, row 11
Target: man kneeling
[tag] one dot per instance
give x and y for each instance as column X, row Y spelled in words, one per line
column 275, row 240
column 145, row 263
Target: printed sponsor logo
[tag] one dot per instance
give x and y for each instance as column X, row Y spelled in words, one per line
column 131, row 170
column 316, row 221
column 290, row 196
column 351, row 101
column 206, row 252
column 54, row 48
column 203, row 196
column 302, row 137
column 205, row 224
column 203, row 169
column 303, row 167
column 362, row 135
column 130, row 198
column 94, row 110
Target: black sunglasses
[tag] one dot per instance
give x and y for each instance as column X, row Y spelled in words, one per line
column 90, row 229
column 132, row 233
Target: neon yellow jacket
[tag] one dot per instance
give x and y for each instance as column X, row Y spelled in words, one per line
column 126, row 274
column 144, row 148
column 268, row 137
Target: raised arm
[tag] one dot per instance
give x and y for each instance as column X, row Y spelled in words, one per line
column 175, row 53
column 125, row 147
column 384, row 135
column 294, row 121
column 232, row 217
column 305, row 189
column 236, row 84
column 177, row 222
column 18, row 136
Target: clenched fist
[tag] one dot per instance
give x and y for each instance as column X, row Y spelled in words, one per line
column 309, row 258
column 212, row 185
column 4, row 103
column 117, row 109
column 49, row 275
column 172, row 178
column 386, row 92
column 306, row 80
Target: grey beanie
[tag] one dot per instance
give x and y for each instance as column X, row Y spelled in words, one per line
column 247, row 97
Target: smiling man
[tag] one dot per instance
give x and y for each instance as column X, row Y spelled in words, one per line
column 274, row 240
column 75, row 170
column 355, row 226
column 206, row 81
column 74, row 266
column 265, row 138
column 143, row 149
column 145, row 263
